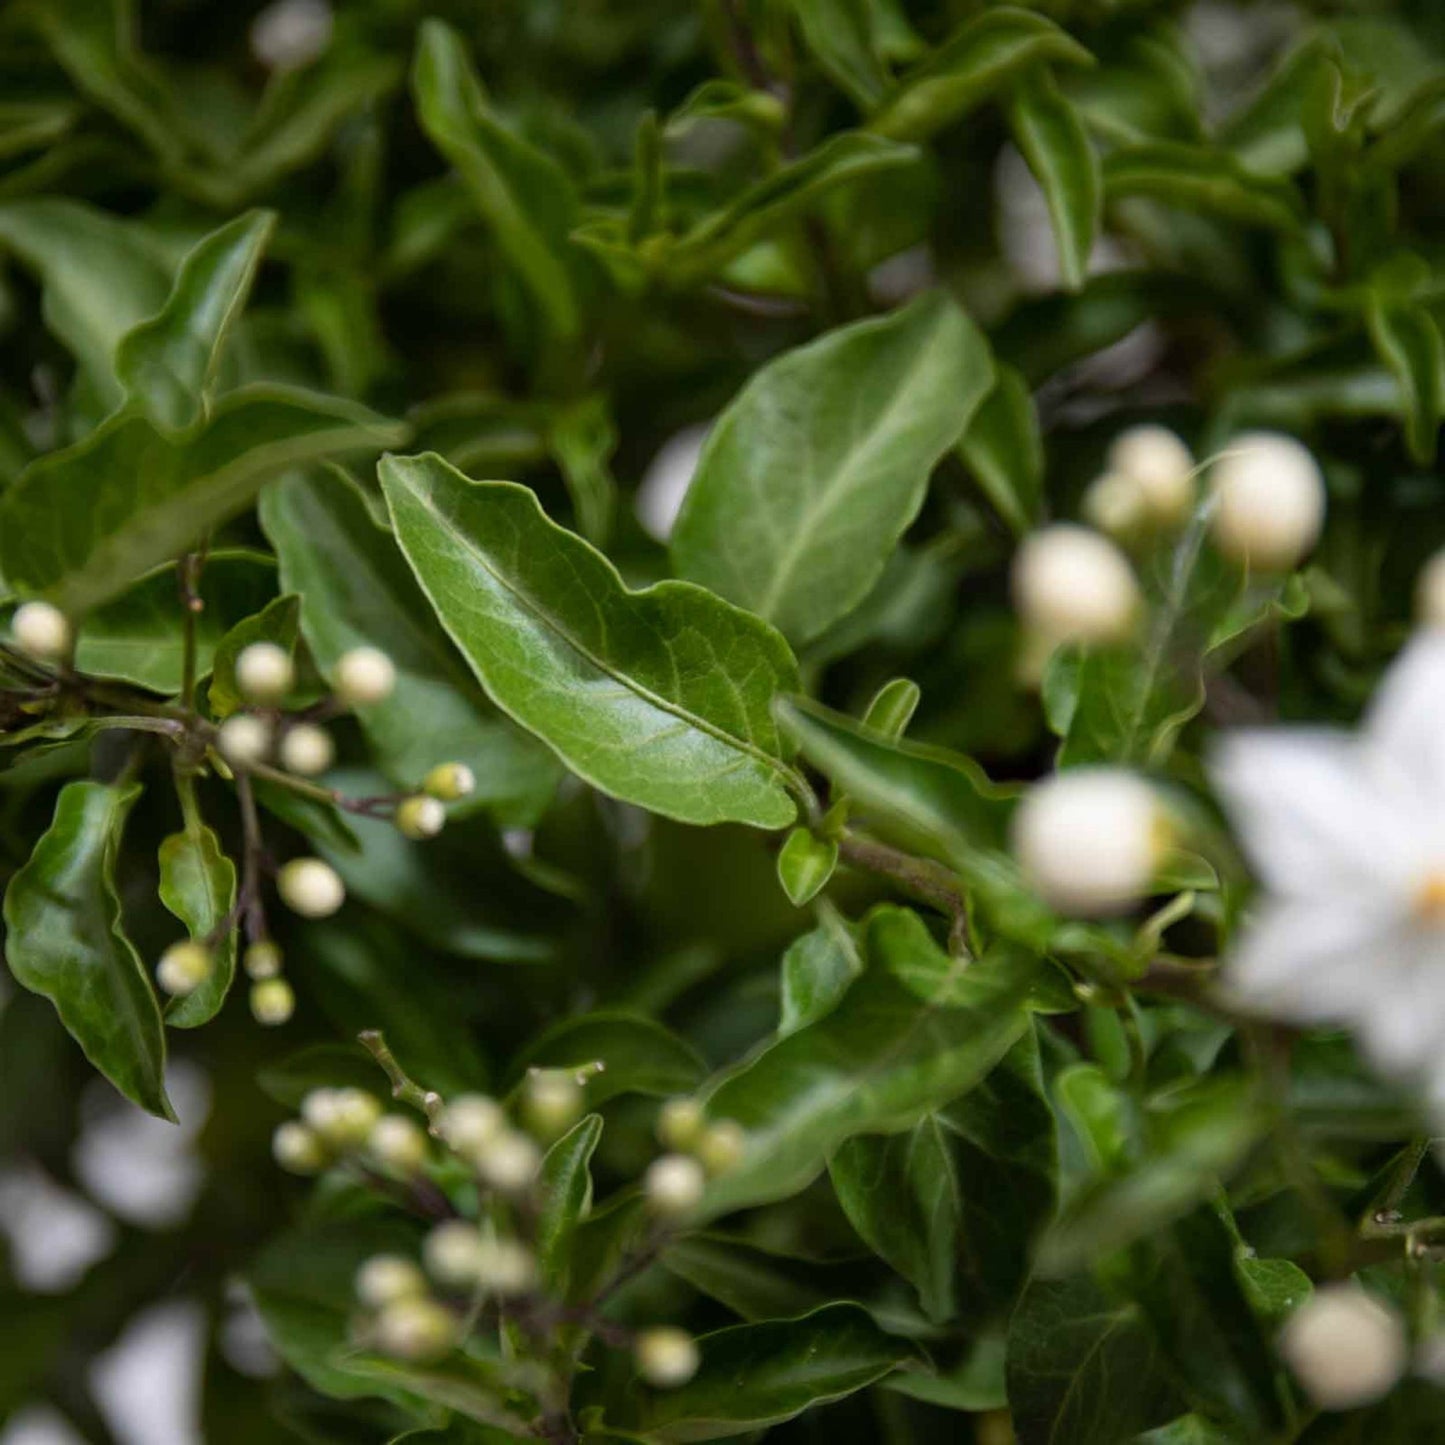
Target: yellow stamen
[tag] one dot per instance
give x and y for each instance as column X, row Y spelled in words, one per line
column 1430, row 898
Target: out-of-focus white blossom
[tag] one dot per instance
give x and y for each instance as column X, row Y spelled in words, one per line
column 1345, row 1347
column 1071, row 584
column 1269, row 501
column 291, row 33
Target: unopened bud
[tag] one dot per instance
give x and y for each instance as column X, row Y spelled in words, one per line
column 1115, row 504
column 680, row 1124
column 666, row 1357
column 420, row 817
column 509, row 1162
column 415, row 1330
column 470, row 1122
column 722, row 1146
column 262, row 959
column 551, row 1102
column 1269, row 501
column 1162, row 467
column 273, row 1001
column 307, row 749
column 398, row 1144
column 310, row 887
column 264, row 673
column 387, row 1278
column 449, row 781
column 1071, row 584
column 1345, row 1346
column 342, row 1118
column 673, row 1184
column 506, row 1267
column 364, row 675
column 42, row 631
column 297, row 1149
column 452, row 1253
column 244, row 740
column 184, row 967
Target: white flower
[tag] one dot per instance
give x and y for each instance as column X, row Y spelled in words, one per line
column 1345, row 1347
column 673, row 1184
column 1430, row 592
column 1347, row 834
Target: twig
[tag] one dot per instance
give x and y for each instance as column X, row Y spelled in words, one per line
column 922, row 877
column 403, row 1087
column 249, row 903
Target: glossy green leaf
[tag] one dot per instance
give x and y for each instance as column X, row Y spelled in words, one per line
column 1407, row 338
column 356, row 591
column 753, row 1282
column 813, row 473
column 805, row 864
column 977, row 61
column 81, row 524
column 660, row 697
column 1199, row 178
column 840, row 37
column 892, row 707
column 954, row 1204
column 565, row 1193
column 168, row 364
column 876, row 1064
column 817, row 970
column 1005, row 452
column 1053, row 141
column 64, row 941
column 788, row 1366
column 637, row 1054
column 198, row 885
column 524, row 196
column 276, row 623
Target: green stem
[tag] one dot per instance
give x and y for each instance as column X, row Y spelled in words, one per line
column 922, row 877
column 403, row 1087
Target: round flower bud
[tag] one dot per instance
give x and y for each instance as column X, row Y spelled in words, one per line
column 1269, row 502
column 470, row 1122
column 262, row 959
column 420, row 816
column 290, row 34
column 673, row 1184
column 387, row 1278
column 41, row 631
column 666, row 1357
column 1089, row 840
column 680, row 1123
column 551, row 1101
column 244, row 740
column 508, row 1161
column 452, row 1253
column 1430, row 592
column 184, row 967
column 722, row 1146
column 1072, row 585
column 415, row 1330
column 449, row 781
column 342, row 1118
column 307, row 749
column 264, row 673
column 398, row 1144
column 506, row 1267
column 273, row 1001
column 297, row 1149
column 1345, row 1347
column 364, row 675
column 1115, row 504
column 310, row 887
column 1161, row 466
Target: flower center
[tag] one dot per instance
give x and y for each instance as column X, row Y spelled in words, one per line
column 1430, row 898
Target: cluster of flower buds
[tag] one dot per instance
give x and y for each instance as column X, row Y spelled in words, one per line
column 697, row 1149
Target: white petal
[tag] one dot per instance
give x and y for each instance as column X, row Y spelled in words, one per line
column 1405, row 726
column 1311, row 817
column 1404, row 1025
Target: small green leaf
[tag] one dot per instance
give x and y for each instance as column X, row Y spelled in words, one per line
column 638, row 1056
column 1201, row 178
column 276, row 623
column 198, row 885
column 1407, row 338
column 786, row 1367
column 805, row 864
column 168, row 364
column 817, row 970
column 1066, row 166
column 1004, row 450
column 565, row 1194
column 839, row 34
column 892, row 707
column 64, row 941
column 660, row 697
column 813, row 473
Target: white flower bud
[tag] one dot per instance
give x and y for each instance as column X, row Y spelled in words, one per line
column 470, row 1122
column 509, row 1161
column 307, row 749
column 415, row 1330
column 297, row 1148
column 290, row 34
column 1269, row 501
column 722, row 1146
column 1161, row 466
column 364, row 675
column 680, row 1123
column 1345, row 1347
column 244, row 740
column 184, row 967
column 1072, row 585
column 452, row 1253
column 420, row 816
column 398, row 1144
column 264, row 673
column 41, row 631
column 262, row 959
column 1089, row 840
column 310, row 887
column 387, row 1278
column 666, row 1357
column 551, row 1101
column 341, row 1118
column 450, row 781
column 1115, row 504
column 1430, row 592
column 673, row 1184
column 506, row 1267
column 273, row 1001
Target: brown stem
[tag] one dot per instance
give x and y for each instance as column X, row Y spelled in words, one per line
column 249, row 901
column 922, row 877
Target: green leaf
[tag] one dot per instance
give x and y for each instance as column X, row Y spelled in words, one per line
column 198, row 885
column 1082, row 1368
column 660, row 697
column 805, row 864
column 139, row 637
column 524, row 195
column 81, row 524
column 1005, row 451
column 638, row 1056
column 1407, row 338
column 565, row 1193
column 168, row 364
column 876, row 1064
column 840, row 37
column 977, row 61
column 892, row 707
column 784, row 1367
column 276, row 623
column 357, row 590
column 953, row 1204
column 818, row 969
column 64, row 941
column 810, row 477
column 1201, row 178
column 583, row 438
column 1053, row 141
